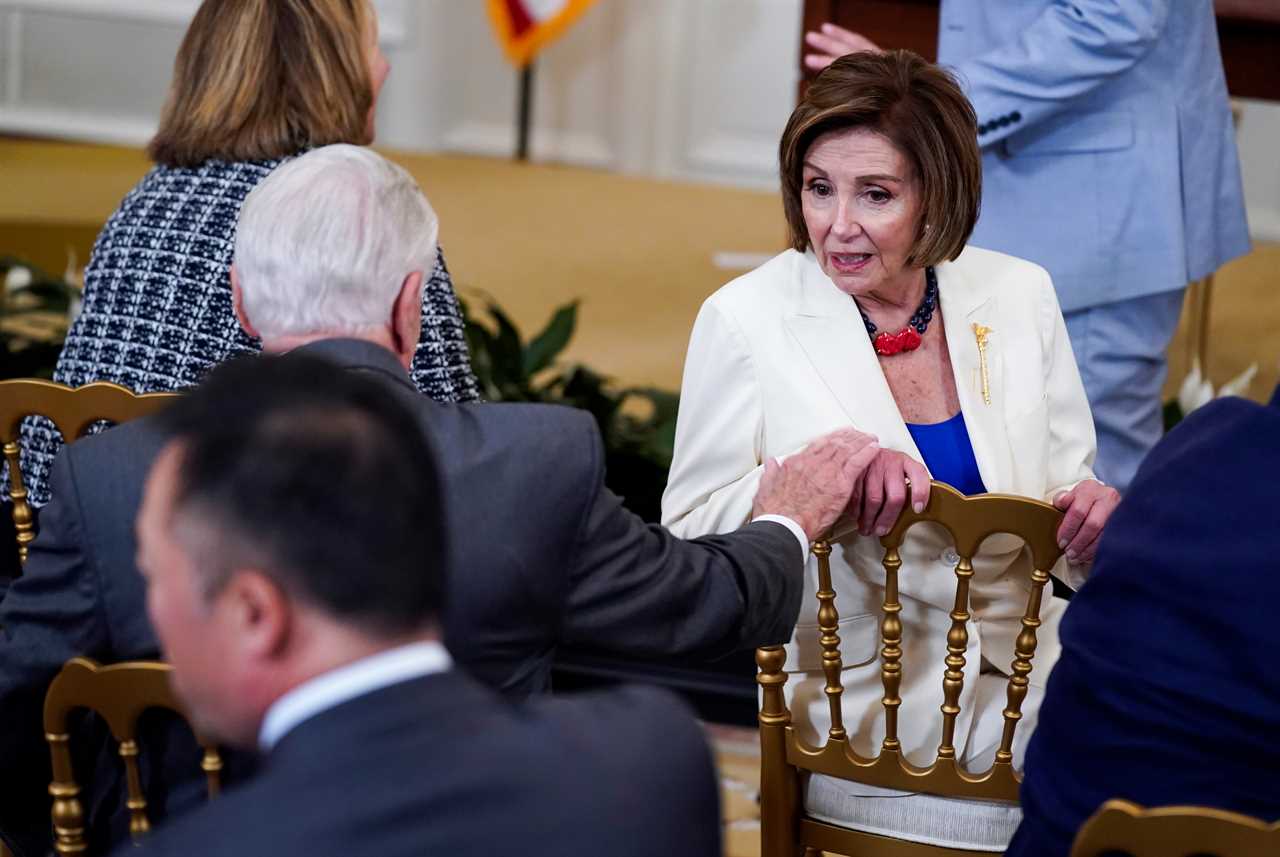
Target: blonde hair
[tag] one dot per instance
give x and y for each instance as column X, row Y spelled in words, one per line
column 262, row 79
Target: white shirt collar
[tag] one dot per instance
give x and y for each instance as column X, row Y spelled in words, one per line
column 335, row 687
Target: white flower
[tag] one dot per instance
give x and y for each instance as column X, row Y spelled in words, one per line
column 1196, row 391
column 17, row 278
column 1238, row 385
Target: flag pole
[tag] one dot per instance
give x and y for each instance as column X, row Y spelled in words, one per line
column 525, row 112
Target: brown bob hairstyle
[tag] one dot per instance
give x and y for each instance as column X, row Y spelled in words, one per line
column 921, row 109
column 262, row 79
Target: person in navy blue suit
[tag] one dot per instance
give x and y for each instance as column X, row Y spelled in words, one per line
column 1109, row 158
column 1165, row 691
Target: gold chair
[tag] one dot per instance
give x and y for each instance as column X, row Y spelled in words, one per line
column 1175, row 831
column 73, row 410
column 785, row 829
column 118, row 693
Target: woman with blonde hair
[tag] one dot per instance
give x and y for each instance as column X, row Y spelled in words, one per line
column 255, row 83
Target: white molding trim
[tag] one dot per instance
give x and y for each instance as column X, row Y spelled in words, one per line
column 1264, row 223
column 392, row 13
column 13, row 68
column 77, row 125
column 480, row 138
column 579, row 148
column 750, row 158
column 163, row 11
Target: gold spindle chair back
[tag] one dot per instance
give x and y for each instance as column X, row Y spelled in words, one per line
column 73, row 410
column 118, row 693
column 969, row 521
column 1175, row 831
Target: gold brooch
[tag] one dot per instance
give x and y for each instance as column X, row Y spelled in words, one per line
column 981, row 332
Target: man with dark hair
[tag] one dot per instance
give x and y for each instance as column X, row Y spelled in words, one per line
column 305, row 623
column 543, row 554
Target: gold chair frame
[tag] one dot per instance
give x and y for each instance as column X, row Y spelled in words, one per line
column 785, row 831
column 73, row 410
column 1174, row 831
column 118, row 693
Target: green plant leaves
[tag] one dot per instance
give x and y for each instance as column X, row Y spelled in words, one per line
column 548, row 344
column 638, row 437
column 33, row 320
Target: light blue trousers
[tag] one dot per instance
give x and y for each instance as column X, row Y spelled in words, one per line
column 1121, row 350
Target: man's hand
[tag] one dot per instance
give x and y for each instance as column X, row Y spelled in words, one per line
column 816, row 485
column 832, row 42
column 1087, row 507
column 885, row 489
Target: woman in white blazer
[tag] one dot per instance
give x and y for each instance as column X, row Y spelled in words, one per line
column 872, row 320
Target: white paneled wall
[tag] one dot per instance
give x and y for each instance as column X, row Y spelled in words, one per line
column 1259, row 136
column 688, row 89
column 677, row 89
column 87, row 68
column 696, row 89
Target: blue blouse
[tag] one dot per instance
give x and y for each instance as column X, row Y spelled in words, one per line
column 948, row 454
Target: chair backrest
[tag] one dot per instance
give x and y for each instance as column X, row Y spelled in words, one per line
column 118, row 693
column 969, row 520
column 73, row 410
column 1175, row 831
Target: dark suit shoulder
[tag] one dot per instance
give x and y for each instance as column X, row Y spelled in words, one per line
column 411, row 771
column 553, row 429
column 129, row 446
column 1191, row 556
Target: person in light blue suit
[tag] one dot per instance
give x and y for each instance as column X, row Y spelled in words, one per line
column 1109, row 158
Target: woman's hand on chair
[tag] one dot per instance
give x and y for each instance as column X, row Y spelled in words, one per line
column 891, row 478
column 816, row 485
column 1088, row 506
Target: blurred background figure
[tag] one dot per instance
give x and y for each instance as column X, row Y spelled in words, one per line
column 1110, row 159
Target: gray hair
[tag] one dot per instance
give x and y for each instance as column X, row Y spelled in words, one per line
column 325, row 242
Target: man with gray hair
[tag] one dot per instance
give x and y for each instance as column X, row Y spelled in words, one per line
column 330, row 256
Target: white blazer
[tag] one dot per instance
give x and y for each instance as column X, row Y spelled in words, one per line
column 779, row 357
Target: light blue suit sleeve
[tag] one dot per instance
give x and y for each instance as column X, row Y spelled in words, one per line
column 1073, row 47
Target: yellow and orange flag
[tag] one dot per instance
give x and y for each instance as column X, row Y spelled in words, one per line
column 525, row 27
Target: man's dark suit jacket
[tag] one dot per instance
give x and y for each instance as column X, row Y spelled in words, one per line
column 544, row 555
column 441, row 765
column 1166, row 691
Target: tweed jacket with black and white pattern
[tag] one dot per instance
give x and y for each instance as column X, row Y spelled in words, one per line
column 157, row 311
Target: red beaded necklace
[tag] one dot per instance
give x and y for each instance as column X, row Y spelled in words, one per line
column 910, row 337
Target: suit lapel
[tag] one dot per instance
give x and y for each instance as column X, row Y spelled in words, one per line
column 826, row 324
column 965, row 304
